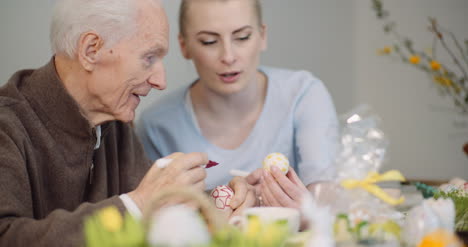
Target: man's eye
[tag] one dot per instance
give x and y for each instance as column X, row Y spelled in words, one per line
column 150, row 59
column 210, row 42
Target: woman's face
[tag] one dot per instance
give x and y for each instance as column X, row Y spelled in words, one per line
column 224, row 40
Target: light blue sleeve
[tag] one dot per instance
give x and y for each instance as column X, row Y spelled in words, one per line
column 316, row 132
column 148, row 136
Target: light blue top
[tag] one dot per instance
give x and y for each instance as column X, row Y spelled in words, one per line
column 298, row 120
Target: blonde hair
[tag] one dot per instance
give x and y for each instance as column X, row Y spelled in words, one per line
column 184, row 5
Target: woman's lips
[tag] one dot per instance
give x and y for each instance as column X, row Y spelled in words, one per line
column 229, row 77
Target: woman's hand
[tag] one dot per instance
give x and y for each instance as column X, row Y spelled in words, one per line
column 282, row 190
column 244, row 195
column 254, row 179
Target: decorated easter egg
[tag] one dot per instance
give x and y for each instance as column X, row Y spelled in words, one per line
column 276, row 159
column 221, row 197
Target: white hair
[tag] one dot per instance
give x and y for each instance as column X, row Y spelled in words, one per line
column 111, row 19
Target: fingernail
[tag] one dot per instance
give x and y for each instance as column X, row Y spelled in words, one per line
column 274, row 168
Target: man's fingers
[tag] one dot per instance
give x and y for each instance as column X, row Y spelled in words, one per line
column 191, row 176
column 190, row 160
column 201, row 185
column 174, row 155
column 162, row 163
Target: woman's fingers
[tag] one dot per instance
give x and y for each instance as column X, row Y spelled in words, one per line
column 254, row 177
column 292, row 175
column 290, row 184
column 241, row 191
column 248, row 202
column 271, row 191
column 244, row 195
column 279, row 190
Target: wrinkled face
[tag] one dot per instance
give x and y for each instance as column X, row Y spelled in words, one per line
column 133, row 66
column 224, row 40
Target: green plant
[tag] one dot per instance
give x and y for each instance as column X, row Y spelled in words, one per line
column 460, row 199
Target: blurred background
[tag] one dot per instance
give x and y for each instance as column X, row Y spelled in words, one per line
column 334, row 39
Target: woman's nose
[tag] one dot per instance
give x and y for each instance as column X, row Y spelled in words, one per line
column 228, row 55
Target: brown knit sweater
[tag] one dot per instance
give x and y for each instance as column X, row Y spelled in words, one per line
column 47, row 185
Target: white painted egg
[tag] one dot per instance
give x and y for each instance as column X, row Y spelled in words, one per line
column 276, row 159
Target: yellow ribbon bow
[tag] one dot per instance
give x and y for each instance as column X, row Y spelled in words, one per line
column 368, row 183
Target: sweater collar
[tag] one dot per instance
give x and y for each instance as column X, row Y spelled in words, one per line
column 54, row 105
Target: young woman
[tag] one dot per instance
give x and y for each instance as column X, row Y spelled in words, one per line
column 237, row 111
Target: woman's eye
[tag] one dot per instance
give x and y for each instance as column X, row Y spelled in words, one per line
column 246, row 37
column 209, row 42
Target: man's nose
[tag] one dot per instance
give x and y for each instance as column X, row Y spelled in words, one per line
column 158, row 77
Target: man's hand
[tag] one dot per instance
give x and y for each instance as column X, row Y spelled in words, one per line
column 244, row 195
column 184, row 170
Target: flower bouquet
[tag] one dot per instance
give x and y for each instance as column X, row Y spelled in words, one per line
column 447, row 69
column 445, row 62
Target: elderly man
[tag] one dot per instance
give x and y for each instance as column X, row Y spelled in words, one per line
column 65, row 147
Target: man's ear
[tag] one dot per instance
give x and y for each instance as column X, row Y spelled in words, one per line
column 89, row 45
column 263, row 34
column 183, row 47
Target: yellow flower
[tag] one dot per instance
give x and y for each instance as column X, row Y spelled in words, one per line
column 435, row 65
column 111, row 219
column 414, row 59
column 444, row 81
column 384, row 51
column 439, row 238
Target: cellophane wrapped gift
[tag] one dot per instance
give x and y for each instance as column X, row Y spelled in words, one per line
column 364, row 212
